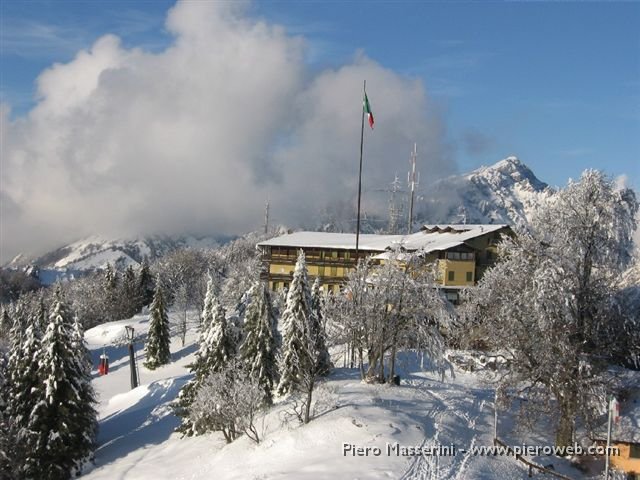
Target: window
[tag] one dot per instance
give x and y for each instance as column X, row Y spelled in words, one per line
column 334, row 271
column 285, row 285
column 452, row 275
column 634, row 450
column 469, row 276
column 347, row 255
column 321, row 270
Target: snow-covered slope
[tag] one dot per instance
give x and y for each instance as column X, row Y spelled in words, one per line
column 506, row 192
column 137, row 438
column 97, row 251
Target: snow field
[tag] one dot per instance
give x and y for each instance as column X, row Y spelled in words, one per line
column 137, row 439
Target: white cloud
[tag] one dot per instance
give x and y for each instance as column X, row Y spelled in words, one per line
column 194, row 139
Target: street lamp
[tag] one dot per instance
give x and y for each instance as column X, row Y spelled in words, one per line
column 132, row 357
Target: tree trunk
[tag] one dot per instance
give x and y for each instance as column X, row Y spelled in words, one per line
column 184, row 326
column 392, row 362
column 564, row 430
column 308, row 405
column 372, row 355
column 381, row 374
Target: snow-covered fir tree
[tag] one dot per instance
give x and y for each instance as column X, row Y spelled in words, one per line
column 130, row 297
column 145, row 284
column 318, row 329
column 6, row 441
column 214, row 352
column 298, row 369
column 219, row 342
column 158, row 339
column 296, row 324
column 258, row 351
column 5, row 323
column 61, row 428
column 24, row 384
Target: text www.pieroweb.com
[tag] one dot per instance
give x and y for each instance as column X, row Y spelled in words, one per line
column 451, row 450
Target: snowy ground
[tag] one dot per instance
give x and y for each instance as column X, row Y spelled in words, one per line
column 136, row 439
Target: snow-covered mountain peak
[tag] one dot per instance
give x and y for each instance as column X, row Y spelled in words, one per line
column 509, row 171
column 505, row 192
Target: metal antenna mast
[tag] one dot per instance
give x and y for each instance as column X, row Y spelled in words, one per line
column 395, row 211
column 266, row 217
column 413, row 179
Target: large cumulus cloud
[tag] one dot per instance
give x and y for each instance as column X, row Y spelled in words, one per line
column 195, row 138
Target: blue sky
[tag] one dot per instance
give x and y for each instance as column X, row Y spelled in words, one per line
column 557, row 84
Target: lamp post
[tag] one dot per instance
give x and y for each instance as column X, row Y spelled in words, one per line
column 132, row 357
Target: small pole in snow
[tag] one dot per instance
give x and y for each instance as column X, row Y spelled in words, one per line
column 611, row 406
column 132, row 357
column 412, row 180
column 495, row 416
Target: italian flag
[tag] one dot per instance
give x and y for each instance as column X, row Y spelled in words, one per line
column 367, row 109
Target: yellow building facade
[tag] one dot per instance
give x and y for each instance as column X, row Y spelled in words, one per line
column 460, row 254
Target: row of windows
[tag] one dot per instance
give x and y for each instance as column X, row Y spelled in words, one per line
column 322, row 271
column 311, row 253
column 460, row 255
column 331, row 288
column 452, row 276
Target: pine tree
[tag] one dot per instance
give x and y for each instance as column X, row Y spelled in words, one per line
column 6, row 440
column 318, row 331
column 214, row 352
column 112, row 302
column 157, row 345
column 206, row 317
column 297, row 346
column 62, row 424
column 130, row 296
column 5, row 323
column 258, row 351
column 145, row 284
column 24, row 384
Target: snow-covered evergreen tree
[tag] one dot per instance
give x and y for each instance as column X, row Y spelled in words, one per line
column 145, row 284
column 61, row 427
column 5, row 323
column 297, row 346
column 130, row 295
column 157, row 346
column 219, row 342
column 318, row 329
column 6, row 430
column 258, row 351
column 24, row 384
column 215, row 351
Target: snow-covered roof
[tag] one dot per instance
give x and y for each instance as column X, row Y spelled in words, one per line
column 628, row 428
column 429, row 239
column 339, row 241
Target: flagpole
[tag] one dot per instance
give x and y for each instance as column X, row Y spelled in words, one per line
column 606, row 453
column 364, row 90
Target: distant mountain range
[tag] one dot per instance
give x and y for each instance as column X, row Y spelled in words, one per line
column 96, row 252
column 505, row 192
